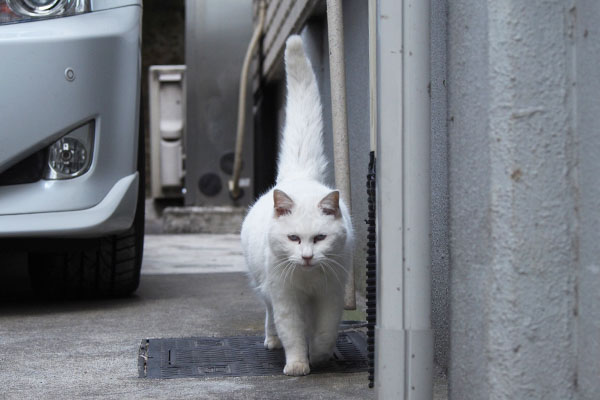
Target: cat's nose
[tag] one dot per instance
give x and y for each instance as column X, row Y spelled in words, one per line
column 307, row 259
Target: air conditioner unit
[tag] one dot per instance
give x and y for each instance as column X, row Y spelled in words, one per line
column 167, row 130
column 216, row 39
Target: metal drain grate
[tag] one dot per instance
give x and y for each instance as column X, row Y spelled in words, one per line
column 237, row 356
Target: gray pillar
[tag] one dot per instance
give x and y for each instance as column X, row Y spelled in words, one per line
column 513, row 199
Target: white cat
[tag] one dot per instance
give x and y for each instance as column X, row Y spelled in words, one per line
column 297, row 237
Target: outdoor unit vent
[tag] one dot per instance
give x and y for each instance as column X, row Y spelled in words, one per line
column 217, row 33
column 167, row 130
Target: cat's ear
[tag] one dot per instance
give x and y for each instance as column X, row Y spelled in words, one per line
column 282, row 203
column 330, row 205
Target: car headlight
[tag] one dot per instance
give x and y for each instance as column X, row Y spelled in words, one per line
column 30, row 10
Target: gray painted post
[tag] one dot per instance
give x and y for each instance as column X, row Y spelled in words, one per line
column 514, row 198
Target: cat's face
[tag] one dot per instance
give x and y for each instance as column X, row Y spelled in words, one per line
column 308, row 231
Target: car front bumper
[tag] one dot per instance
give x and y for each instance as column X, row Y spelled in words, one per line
column 38, row 105
column 113, row 214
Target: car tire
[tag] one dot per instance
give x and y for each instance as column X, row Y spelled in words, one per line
column 104, row 267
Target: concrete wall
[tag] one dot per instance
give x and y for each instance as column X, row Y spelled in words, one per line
column 587, row 36
column 469, row 227
column 523, row 112
column 440, row 253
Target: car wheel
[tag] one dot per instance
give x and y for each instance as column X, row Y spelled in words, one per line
column 104, row 267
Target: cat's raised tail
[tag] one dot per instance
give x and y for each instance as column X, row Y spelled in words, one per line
column 301, row 153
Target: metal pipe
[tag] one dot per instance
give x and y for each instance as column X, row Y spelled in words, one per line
column 234, row 183
column 335, row 33
column 417, row 199
column 389, row 331
column 404, row 339
column 373, row 76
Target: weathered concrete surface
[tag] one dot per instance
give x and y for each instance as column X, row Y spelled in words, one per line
column 588, row 121
column 88, row 349
column 217, row 219
column 179, row 254
column 513, row 199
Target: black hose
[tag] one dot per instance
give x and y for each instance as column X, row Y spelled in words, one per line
column 371, row 270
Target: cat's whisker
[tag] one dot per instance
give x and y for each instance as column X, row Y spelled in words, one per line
column 324, row 275
column 333, row 255
column 290, row 272
column 280, row 269
column 335, row 269
column 282, row 262
column 334, row 272
column 337, row 278
column 286, row 271
column 337, row 264
column 277, row 268
column 279, row 263
column 277, row 272
column 286, row 274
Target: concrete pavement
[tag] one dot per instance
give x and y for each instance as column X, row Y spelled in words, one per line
column 191, row 286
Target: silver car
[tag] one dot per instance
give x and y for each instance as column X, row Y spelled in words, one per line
column 71, row 158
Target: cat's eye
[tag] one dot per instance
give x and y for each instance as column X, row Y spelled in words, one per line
column 294, row 238
column 318, row 238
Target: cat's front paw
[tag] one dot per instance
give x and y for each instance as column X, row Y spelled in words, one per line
column 296, row 368
column 272, row 342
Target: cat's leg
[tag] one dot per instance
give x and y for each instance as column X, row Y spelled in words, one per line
column 271, row 338
column 326, row 320
column 288, row 315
